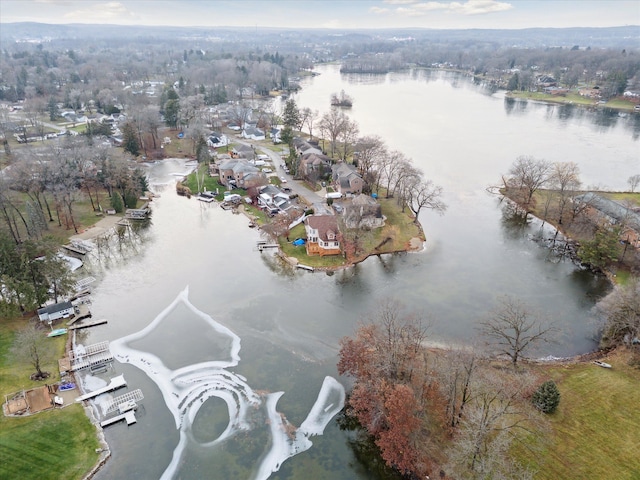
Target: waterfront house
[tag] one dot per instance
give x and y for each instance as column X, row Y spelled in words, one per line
column 322, row 235
column 56, row 311
column 363, row 212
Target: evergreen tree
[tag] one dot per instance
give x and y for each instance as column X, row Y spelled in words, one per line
column 52, row 108
column 130, row 141
column 603, row 249
column 547, row 397
column 291, row 115
column 202, row 150
column 117, row 203
column 130, row 198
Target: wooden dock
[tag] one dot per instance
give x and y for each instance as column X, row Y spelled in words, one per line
column 82, row 311
column 114, row 384
column 129, row 417
column 74, row 249
column 262, row 246
column 92, row 323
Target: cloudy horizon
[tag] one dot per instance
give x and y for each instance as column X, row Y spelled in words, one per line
column 334, row 14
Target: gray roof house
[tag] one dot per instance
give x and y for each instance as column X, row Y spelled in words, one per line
column 363, row 212
column 56, row 311
column 239, row 173
column 345, row 179
column 253, row 133
column 613, row 211
column 243, row 151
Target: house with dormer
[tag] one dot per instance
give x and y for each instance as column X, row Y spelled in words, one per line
column 322, row 235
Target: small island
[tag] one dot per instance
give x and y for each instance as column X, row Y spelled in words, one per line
column 341, row 100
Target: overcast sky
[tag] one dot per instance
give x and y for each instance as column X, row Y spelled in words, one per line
column 337, row 14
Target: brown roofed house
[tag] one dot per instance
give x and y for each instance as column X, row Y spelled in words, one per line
column 322, row 235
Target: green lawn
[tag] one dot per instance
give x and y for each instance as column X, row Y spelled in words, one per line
column 596, row 429
column 52, row 444
column 57, row 443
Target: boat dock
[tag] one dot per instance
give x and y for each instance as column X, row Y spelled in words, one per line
column 126, row 406
column 305, row 267
column 125, row 402
column 96, row 354
column 92, row 323
column 129, row 417
column 114, row 384
column 262, row 246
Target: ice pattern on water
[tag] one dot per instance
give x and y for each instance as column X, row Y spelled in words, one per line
column 186, row 389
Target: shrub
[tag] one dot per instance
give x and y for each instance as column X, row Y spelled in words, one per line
column 547, row 397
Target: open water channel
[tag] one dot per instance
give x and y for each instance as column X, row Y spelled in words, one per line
column 201, row 320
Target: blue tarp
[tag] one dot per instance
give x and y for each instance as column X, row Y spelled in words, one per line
column 298, row 241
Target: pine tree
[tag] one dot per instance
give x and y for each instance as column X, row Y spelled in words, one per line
column 117, row 203
column 130, row 141
column 547, row 397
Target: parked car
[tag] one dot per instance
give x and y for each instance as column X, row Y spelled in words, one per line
column 267, row 170
column 283, row 180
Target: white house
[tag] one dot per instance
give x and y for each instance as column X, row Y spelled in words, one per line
column 56, row 311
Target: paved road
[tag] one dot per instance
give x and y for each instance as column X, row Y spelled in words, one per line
column 316, row 199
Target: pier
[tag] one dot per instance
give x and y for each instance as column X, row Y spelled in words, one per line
column 126, row 406
column 114, row 384
column 129, row 417
column 92, row 323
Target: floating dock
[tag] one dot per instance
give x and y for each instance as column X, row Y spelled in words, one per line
column 114, row 384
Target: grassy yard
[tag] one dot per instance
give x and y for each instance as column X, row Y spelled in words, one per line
column 572, row 98
column 52, row 444
column 596, row 429
column 394, row 236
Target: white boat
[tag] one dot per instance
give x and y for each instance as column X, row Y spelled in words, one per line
column 601, row 364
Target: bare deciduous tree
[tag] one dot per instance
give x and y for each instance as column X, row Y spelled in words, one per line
column 424, row 194
column 565, row 178
column 529, row 174
column 633, row 181
column 32, row 345
column 513, row 328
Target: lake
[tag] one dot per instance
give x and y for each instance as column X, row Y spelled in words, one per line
column 195, row 309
